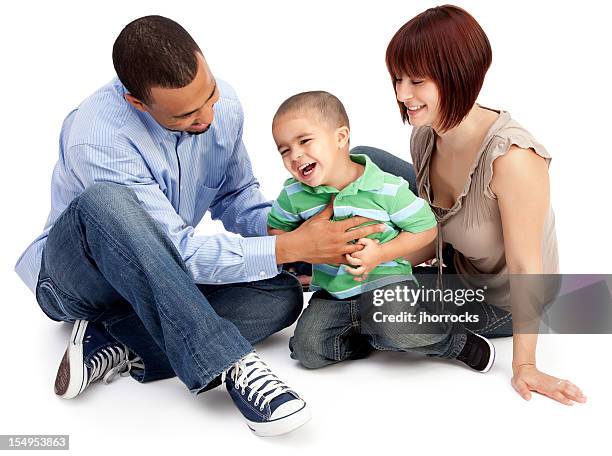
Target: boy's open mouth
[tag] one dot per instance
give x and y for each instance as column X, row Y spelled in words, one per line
column 306, row 169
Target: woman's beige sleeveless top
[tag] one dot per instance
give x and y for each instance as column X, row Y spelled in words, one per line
column 473, row 225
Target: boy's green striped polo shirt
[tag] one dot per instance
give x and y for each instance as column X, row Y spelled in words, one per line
column 377, row 195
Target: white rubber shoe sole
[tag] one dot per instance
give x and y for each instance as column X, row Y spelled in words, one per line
column 281, row 425
column 492, row 357
column 71, row 378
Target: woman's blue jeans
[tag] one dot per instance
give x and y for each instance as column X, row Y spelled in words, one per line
column 331, row 330
column 107, row 261
column 493, row 321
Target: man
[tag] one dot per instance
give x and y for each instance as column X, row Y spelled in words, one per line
column 141, row 161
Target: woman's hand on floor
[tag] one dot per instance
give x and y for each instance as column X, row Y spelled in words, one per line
column 528, row 378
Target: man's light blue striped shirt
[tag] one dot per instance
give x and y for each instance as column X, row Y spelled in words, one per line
column 176, row 176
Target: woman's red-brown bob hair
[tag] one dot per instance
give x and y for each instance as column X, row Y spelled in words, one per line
column 446, row 45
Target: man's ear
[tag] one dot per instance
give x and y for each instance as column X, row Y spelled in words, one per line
column 342, row 136
column 134, row 102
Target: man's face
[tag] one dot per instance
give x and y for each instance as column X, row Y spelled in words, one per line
column 188, row 108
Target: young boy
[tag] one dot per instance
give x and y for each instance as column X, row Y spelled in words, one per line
column 311, row 131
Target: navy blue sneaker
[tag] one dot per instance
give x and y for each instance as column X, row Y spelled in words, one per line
column 268, row 405
column 92, row 354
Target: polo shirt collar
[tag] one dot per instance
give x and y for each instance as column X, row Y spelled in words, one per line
column 371, row 179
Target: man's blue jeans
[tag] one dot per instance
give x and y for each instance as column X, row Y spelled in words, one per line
column 106, row 260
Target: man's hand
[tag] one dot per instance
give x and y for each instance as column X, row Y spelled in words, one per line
column 319, row 240
column 365, row 260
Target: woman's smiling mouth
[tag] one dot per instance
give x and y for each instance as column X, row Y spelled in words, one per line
column 415, row 109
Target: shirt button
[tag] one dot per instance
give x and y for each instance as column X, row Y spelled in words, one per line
column 262, row 274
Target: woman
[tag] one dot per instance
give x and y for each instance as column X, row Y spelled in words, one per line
column 485, row 177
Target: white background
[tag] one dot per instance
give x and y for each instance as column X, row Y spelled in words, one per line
column 551, row 71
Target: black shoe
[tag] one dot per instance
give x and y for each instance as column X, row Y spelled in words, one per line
column 92, row 354
column 478, row 353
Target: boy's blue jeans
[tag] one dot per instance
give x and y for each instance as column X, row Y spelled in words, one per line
column 331, row 330
column 107, row 261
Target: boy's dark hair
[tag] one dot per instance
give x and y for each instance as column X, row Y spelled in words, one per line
column 326, row 106
column 154, row 51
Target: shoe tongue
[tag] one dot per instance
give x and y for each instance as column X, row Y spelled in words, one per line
column 277, row 400
column 96, row 337
column 254, row 379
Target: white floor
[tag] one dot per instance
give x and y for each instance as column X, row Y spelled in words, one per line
column 389, row 401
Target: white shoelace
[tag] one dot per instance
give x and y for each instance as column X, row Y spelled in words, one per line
column 112, row 361
column 252, row 372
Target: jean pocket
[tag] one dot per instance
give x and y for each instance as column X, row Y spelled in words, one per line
column 56, row 304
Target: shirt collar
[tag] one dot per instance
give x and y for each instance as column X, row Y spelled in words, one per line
column 154, row 128
column 372, row 179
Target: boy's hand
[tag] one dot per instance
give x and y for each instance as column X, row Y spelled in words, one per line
column 365, row 260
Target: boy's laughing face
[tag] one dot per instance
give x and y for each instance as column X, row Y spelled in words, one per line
column 310, row 148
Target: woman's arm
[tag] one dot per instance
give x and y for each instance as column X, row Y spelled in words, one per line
column 422, row 255
column 407, row 244
column 374, row 253
column 521, row 183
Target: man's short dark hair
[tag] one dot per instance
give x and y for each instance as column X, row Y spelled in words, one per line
column 327, row 107
column 154, row 51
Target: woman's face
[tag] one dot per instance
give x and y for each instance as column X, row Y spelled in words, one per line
column 421, row 97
